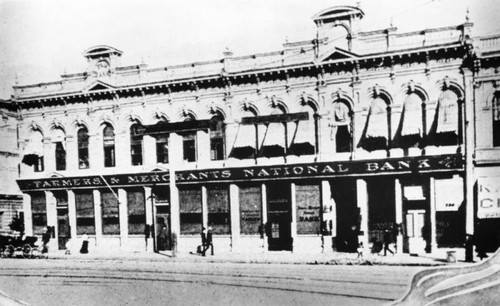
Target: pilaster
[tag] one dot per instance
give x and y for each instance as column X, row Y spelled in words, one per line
column 123, row 216
column 97, row 215
column 362, row 196
column 234, row 208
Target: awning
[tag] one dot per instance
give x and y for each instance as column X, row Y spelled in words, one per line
column 449, row 194
column 412, row 116
column 245, row 137
column 304, row 133
column 377, row 125
column 447, row 113
column 32, row 151
column 275, row 135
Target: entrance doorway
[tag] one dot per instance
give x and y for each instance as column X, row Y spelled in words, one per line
column 162, row 227
column 279, row 217
column 416, row 225
column 63, row 229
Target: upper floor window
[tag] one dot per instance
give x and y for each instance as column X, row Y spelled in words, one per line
column 83, row 148
column 496, row 120
column 411, row 127
column 59, row 140
column 217, row 138
column 444, row 130
column 109, row 145
column 342, row 127
column 162, row 145
column 189, row 146
column 376, row 133
column 60, row 157
column 33, row 152
column 136, row 140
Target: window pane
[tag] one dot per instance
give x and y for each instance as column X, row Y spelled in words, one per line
column 250, row 210
column 218, row 209
column 109, row 146
column 308, row 209
column 110, row 214
column 39, row 213
column 162, row 149
column 85, row 223
column 343, row 139
column 136, row 142
column 136, row 212
column 189, row 146
column 190, row 211
column 83, row 148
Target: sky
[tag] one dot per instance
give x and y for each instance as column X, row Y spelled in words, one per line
column 42, row 39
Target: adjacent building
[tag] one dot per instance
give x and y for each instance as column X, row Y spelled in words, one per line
column 350, row 134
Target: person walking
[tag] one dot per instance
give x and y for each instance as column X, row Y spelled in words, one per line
column 204, row 245
column 387, row 241
column 209, row 241
column 85, row 244
column 45, row 240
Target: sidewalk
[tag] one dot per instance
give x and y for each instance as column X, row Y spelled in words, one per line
column 330, row 258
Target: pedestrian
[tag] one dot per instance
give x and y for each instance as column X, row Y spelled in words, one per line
column 203, row 248
column 163, row 238
column 209, row 241
column 45, row 240
column 85, row 244
column 387, row 241
column 352, row 240
column 361, row 249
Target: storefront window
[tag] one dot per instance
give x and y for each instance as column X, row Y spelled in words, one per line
column 39, row 213
column 136, row 212
column 85, row 223
column 83, row 148
column 110, row 213
column 136, row 141
column 218, row 209
column 109, row 146
column 190, row 211
column 251, row 210
column 308, row 209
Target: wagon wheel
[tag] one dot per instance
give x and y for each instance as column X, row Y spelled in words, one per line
column 9, row 251
column 26, row 249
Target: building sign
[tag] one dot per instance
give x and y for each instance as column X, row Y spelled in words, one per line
column 449, row 193
column 312, row 170
column 488, row 197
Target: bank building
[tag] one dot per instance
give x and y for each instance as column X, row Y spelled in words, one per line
column 348, row 133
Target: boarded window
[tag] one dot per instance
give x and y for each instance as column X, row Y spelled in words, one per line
column 308, row 209
column 39, row 213
column 85, row 223
column 110, row 214
column 190, row 211
column 136, row 212
column 218, row 209
column 250, row 210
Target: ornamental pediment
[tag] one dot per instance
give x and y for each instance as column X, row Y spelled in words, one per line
column 337, row 54
column 98, row 86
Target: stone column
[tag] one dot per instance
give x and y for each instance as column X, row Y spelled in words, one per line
column 71, row 153
column 148, row 198
column 234, row 208
column 362, row 196
column 329, row 210
column 122, row 149
column 264, row 213
column 49, row 156
column 204, row 206
column 432, row 195
column 50, row 202
column 123, row 216
column 174, row 206
column 203, row 146
column 175, row 150
column 469, row 149
column 97, row 216
column 398, row 198
column 96, row 151
column 72, row 213
column 28, row 216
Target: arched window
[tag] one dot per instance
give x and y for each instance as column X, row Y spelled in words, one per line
column 245, row 145
column 109, row 145
column 274, row 137
column 162, row 143
column 217, row 136
column 303, row 136
column 496, row 120
column 444, row 130
column 59, row 139
column 342, row 127
column 189, row 143
column 376, row 133
column 411, row 126
column 136, row 140
column 33, row 152
column 83, row 148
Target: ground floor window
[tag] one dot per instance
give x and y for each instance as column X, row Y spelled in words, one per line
column 136, row 212
column 39, row 213
column 190, row 211
column 381, row 209
column 218, row 209
column 308, row 209
column 110, row 213
column 250, row 210
column 85, row 223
